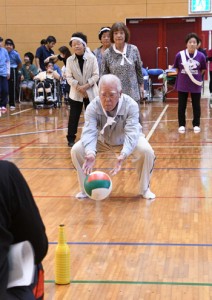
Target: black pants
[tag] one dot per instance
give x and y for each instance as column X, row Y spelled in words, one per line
column 12, row 82
column 210, row 83
column 76, row 109
column 182, row 104
column 3, row 91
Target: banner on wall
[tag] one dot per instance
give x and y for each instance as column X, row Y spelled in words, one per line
column 200, row 7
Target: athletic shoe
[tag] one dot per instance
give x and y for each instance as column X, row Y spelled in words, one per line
column 149, row 195
column 181, row 129
column 81, row 195
column 12, row 107
column 197, row 129
column 39, row 99
column 3, row 109
column 50, row 99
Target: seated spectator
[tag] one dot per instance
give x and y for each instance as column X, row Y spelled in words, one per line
column 20, row 221
column 28, row 71
column 46, row 84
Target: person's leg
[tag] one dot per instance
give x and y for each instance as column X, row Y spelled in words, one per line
column 86, row 102
column 144, row 158
column 40, row 92
column 210, row 83
column 195, row 98
column 4, row 91
column 75, row 111
column 12, row 87
column 24, row 91
column 182, row 104
column 78, row 158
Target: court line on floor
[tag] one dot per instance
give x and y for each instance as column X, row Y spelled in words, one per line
column 18, row 149
column 19, row 112
column 134, row 282
column 134, row 244
column 156, row 123
column 123, row 169
column 31, row 132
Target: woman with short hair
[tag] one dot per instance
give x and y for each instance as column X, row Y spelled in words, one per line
column 104, row 37
column 190, row 65
column 123, row 60
column 82, row 74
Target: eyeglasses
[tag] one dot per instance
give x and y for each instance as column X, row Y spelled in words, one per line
column 111, row 95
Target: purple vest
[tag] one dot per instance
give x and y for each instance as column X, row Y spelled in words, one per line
column 183, row 82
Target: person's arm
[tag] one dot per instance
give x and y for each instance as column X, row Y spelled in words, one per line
column 56, row 75
column 37, row 62
column 69, row 75
column 8, row 65
column 90, row 131
column 132, row 129
column 33, row 71
column 53, row 58
column 26, row 220
column 37, row 58
column 105, row 66
column 138, row 69
column 20, row 219
column 19, row 62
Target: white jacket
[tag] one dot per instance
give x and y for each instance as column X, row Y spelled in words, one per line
column 90, row 75
column 124, row 131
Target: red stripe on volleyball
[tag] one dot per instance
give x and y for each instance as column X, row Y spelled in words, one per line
column 98, row 176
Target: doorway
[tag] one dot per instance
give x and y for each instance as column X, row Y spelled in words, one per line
column 159, row 40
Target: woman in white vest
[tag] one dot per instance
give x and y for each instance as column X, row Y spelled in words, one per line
column 190, row 64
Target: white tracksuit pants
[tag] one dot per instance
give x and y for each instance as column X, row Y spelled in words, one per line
column 143, row 157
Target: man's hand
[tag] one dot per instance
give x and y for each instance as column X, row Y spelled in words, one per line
column 118, row 166
column 88, row 164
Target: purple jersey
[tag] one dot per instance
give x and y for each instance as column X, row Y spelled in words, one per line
column 196, row 65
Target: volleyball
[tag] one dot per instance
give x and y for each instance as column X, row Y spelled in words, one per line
column 98, row 185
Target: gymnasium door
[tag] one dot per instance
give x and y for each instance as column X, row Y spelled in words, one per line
column 158, row 40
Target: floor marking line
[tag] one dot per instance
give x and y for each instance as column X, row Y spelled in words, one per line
column 156, row 123
column 134, row 244
column 18, row 149
column 31, row 132
column 19, row 112
column 135, row 282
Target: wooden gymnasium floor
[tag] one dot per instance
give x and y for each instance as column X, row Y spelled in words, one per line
column 124, row 247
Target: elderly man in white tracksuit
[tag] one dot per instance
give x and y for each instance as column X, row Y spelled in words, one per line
column 112, row 124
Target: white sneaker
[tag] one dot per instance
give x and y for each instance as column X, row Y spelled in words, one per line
column 50, row 99
column 197, row 129
column 12, row 107
column 39, row 99
column 149, row 195
column 3, row 108
column 181, row 129
column 81, row 195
